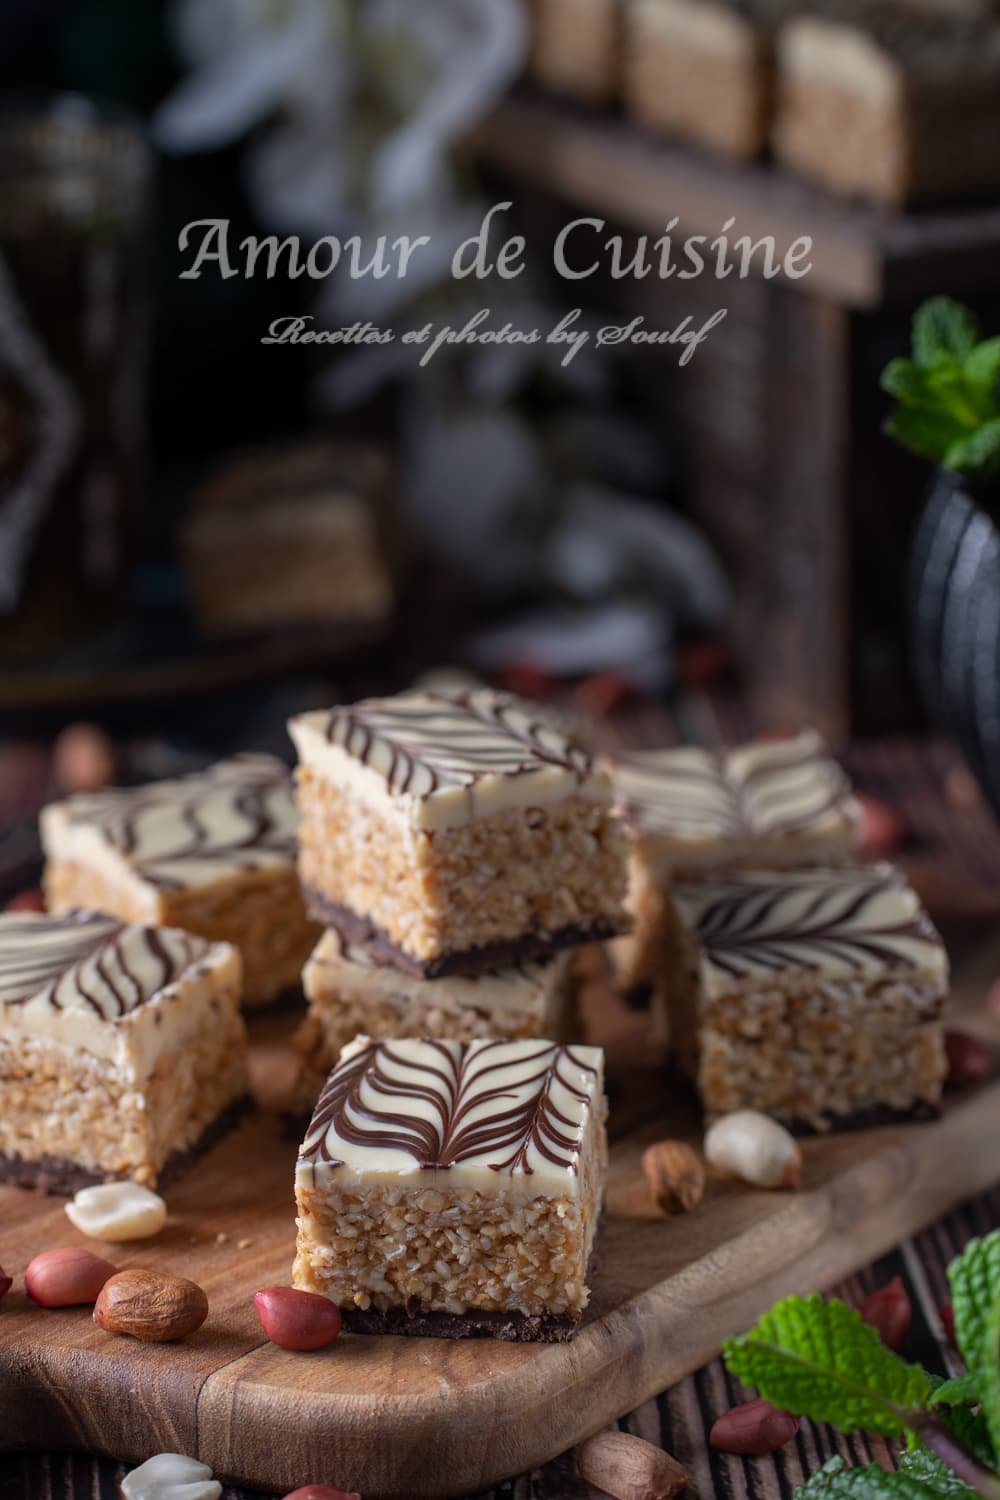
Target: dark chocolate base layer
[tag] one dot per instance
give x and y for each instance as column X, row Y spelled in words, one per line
column 869, row 1119
column 48, row 1174
column 514, row 1327
column 483, row 960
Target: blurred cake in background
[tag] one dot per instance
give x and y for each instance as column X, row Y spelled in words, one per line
column 291, row 537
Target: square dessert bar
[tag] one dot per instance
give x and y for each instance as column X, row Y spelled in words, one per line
column 350, row 995
column 455, row 832
column 122, row 1049
column 814, row 996
column 454, row 1189
column 702, row 70
column 213, row 853
column 690, row 811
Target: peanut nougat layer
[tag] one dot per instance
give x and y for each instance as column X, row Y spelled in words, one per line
column 453, row 833
column 349, row 995
column 121, row 1047
column 213, row 853
column 454, row 1189
column 815, row 997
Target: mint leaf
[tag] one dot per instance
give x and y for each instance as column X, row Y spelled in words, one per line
column 960, row 1391
column 975, row 1293
column 926, row 1467
column 982, row 367
column 978, row 453
column 930, row 432
column 835, row 1481
column 906, row 381
column 817, row 1359
column 943, row 327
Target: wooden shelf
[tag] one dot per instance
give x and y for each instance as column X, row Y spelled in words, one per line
column 861, row 255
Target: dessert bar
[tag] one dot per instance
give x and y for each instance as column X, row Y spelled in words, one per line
column 455, row 832
column 770, row 803
column 122, row 1050
column 702, row 70
column 213, row 853
column 349, row 995
column 577, row 47
column 815, row 996
column 292, row 538
column 890, row 105
column 454, row 1189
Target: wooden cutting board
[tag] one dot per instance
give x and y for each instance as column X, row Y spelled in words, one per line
column 424, row 1417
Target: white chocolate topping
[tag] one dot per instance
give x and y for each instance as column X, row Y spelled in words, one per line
column 492, row 1116
column 525, row 987
column 769, row 798
column 445, row 759
column 117, row 990
column 845, row 923
column 237, row 815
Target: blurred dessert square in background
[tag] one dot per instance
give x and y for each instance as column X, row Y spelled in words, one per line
column 576, row 47
column 702, row 70
column 293, row 537
column 890, row 103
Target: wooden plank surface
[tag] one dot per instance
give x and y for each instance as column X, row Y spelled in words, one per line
column 860, row 253
column 399, row 1417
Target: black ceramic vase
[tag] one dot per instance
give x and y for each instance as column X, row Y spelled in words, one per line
column 954, row 614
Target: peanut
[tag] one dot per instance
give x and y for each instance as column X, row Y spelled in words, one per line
column 6, row 1282
column 171, row 1476
column 756, row 1427
column 629, row 1468
column 32, row 900
column 151, row 1305
column 67, row 1277
column 117, row 1211
column 322, row 1492
column 83, row 759
column 969, row 1061
column 888, row 1311
column 297, row 1320
column 675, row 1175
column 755, row 1148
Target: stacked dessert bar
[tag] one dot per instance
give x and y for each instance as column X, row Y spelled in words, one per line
column 457, row 846
column 789, row 978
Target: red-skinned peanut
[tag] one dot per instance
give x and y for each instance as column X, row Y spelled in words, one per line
column 66, row 1278
column 322, row 1492
column 889, row 1312
column 297, row 1320
column 754, row 1428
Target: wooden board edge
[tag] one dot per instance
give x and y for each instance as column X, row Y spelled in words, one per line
column 619, row 1361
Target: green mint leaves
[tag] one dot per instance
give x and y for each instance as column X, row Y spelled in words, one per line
column 818, row 1359
column 925, row 1479
column 948, row 393
column 975, row 1292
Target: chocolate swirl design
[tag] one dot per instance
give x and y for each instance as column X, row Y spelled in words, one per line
column 90, row 961
column 839, row 922
column 511, row 1106
column 762, row 789
column 238, row 814
column 424, row 742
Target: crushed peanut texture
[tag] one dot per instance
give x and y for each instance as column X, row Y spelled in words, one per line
column 513, row 873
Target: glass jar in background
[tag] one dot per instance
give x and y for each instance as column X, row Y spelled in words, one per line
column 74, row 194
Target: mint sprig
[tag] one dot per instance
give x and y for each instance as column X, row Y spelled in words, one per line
column 948, row 393
column 818, row 1359
column 975, row 1293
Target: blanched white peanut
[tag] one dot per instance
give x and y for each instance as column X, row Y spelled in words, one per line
column 117, row 1211
column 755, row 1148
column 171, row 1476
